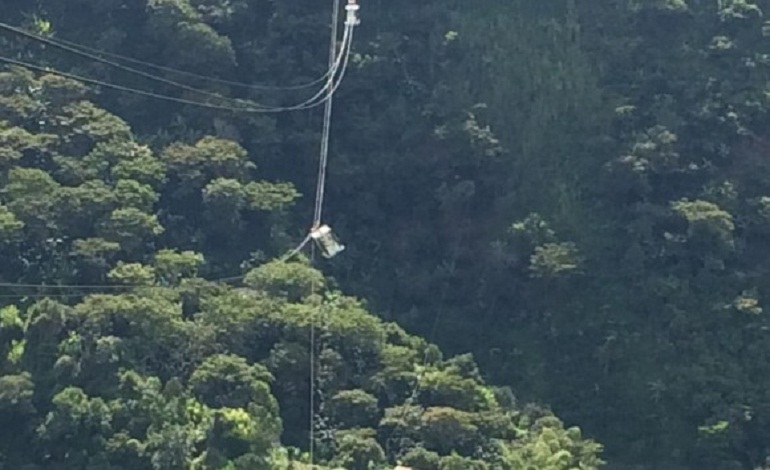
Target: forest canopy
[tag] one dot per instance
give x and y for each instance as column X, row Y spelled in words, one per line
column 555, row 216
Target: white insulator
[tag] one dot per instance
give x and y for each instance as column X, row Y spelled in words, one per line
column 352, row 9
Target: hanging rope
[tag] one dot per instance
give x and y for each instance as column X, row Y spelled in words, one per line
column 311, row 436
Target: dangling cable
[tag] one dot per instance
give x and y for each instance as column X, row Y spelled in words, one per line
column 311, row 436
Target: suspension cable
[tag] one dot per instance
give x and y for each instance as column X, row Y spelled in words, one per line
column 329, row 89
column 344, row 55
column 254, row 86
column 333, row 67
column 321, row 182
column 307, row 104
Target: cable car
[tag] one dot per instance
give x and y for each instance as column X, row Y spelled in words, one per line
column 326, row 241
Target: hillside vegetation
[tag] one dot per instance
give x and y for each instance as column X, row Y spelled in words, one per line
column 555, row 202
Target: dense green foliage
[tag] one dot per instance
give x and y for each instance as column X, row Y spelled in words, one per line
column 574, row 192
column 164, row 369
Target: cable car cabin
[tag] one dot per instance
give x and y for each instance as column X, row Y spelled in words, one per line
column 326, row 241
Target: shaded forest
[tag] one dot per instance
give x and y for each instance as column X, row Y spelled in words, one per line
column 556, row 217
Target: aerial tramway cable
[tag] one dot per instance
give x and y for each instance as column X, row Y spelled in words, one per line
column 253, row 86
column 237, row 105
column 321, row 237
column 333, row 67
column 321, row 234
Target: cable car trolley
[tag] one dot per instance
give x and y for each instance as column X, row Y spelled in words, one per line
column 326, row 241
